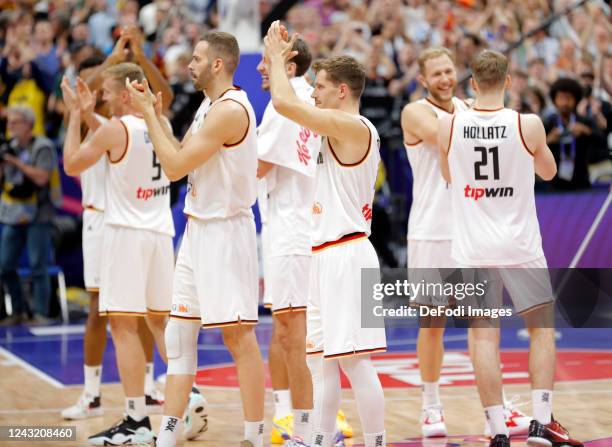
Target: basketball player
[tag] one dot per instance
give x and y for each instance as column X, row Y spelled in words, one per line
column 287, row 155
column 216, row 279
column 94, row 342
column 492, row 154
column 137, row 254
column 344, row 189
column 288, row 178
column 429, row 226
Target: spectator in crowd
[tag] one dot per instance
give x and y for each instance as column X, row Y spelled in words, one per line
column 101, row 24
column 30, row 188
column 46, row 53
column 570, row 136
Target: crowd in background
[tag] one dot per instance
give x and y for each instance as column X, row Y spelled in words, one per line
column 561, row 68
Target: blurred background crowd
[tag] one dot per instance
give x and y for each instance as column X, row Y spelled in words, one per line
column 561, row 66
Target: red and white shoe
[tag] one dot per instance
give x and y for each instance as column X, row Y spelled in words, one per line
column 516, row 421
column 550, row 435
column 432, row 422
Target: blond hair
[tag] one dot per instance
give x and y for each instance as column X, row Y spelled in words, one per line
column 343, row 70
column 125, row 70
column 432, row 53
column 489, row 69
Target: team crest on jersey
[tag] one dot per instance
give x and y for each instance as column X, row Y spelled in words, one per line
column 317, row 208
column 147, row 138
column 320, row 158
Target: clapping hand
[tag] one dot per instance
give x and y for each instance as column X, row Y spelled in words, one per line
column 141, row 96
column 86, row 98
column 69, row 95
column 277, row 42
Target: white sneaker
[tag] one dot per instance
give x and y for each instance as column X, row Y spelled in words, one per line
column 195, row 421
column 88, row 406
column 432, row 422
column 516, row 421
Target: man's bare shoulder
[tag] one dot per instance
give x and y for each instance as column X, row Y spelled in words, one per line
column 530, row 123
column 228, row 107
column 416, row 111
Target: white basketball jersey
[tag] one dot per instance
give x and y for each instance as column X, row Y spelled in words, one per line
column 226, row 185
column 93, row 179
column 344, row 193
column 493, row 175
column 137, row 190
column 286, row 201
column 430, row 213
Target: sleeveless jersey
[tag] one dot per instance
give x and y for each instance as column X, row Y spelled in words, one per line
column 137, row 190
column 226, row 185
column 493, row 175
column 344, row 193
column 430, row 213
column 93, row 179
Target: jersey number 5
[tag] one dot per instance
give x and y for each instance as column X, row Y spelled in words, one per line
column 483, row 162
column 157, row 167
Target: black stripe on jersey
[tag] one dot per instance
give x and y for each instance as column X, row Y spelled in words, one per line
column 352, row 165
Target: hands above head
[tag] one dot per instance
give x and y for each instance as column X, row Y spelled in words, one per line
column 141, row 96
column 277, row 43
column 135, row 39
column 121, row 50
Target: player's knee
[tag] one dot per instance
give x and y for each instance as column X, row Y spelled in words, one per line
column 182, row 347
column 123, row 326
column 156, row 322
column 291, row 336
column 236, row 338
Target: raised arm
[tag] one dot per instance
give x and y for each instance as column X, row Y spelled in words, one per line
column 156, row 79
column 445, row 126
column 109, row 138
column 199, row 147
column 419, row 123
column 534, row 138
column 332, row 123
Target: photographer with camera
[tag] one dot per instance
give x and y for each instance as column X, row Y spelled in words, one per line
column 572, row 138
column 30, row 191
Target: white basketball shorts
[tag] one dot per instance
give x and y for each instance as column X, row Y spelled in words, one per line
column 137, row 270
column 334, row 308
column 216, row 276
column 93, row 226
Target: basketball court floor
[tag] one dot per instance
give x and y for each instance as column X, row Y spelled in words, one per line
column 41, row 370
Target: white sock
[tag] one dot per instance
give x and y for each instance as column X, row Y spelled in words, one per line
column 136, row 408
column 149, row 379
column 542, row 405
column 322, row 439
column 302, row 424
column 375, row 439
column 431, row 394
column 93, row 377
column 282, row 403
column 497, row 420
column 253, row 431
column 169, row 429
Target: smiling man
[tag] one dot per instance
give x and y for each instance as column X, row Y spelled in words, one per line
column 429, row 226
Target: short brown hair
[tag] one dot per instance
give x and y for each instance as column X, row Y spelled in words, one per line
column 489, row 69
column 225, row 47
column 432, row 53
column 343, row 70
column 125, row 70
column 303, row 59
